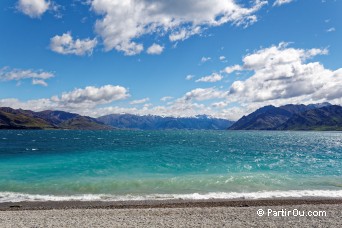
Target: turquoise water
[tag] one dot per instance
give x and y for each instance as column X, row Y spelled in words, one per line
column 128, row 165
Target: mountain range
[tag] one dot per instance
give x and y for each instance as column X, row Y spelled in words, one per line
column 293, row 117
column 288, row 117
column 151, row 122
column 26, row 119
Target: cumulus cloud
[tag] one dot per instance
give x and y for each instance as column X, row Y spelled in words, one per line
column 232, row 69
column 66, row 45
column 33, row 8
column 184, row 106
column 279, row 75
column 124, row 22
column 220, row 104
column 155, row 49
column 281, row 2
column 37, row 77
column 283, row 75
column 35, row 105
column 215, row 77
column 141, row 101
column 201, row 94
column 81, row 101
column 93, row 95
column 187, row 105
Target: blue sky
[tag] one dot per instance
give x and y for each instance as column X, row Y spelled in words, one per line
column 99, row 57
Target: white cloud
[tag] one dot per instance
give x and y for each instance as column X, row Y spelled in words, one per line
column 220, row 104
column 141, row 101
column 66, row 45
column 39, row 82
column 331, row 29
column 201, row 94
column 205, row 59
column 184, row 34
column 93, row 95
column 33, row 8
column 189, row 77
column 155, row 49
column 232, row 69
column 83, row 101
column 215, row 77
column 167, row 98
column 222, row 58
column 181, row 107
column 281, row 2
column 279, row 56
column 282, row 75
column 124, row 22
column 37, row 77
column 35, row 105
column 279, row 75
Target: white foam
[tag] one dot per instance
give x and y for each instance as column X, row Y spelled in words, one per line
column 19, row 197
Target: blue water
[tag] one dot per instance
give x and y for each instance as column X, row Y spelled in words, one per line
column 128, row 165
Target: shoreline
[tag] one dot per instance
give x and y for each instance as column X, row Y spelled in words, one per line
column 147, row 204
column 199, row 213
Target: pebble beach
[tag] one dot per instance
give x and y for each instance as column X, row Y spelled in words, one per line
column 171, row 214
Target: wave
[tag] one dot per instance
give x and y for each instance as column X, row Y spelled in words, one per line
column 20, row 197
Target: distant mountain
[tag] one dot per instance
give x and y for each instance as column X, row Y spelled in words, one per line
column 84, row 123
column 26, row 119
column 292, row 117
column 266, row 118
column 56, row 117
column 19, row 119
column 150, row 122
column 327, row 118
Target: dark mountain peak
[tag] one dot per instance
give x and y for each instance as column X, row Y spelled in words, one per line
column 26, row 119
column 265, row 109
column 8, row 110
column 324, row 118
column 84, row 123
column 295, row 108
column 56, row 117
column 292, row 117
column 332, row 108
column 298, row 108
column 21, row 119
column 319, row 105
column 264, row 118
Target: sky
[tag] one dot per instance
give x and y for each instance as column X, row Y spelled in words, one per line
column 223, row 58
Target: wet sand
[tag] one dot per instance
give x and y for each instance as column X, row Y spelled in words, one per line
column 50, row 205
